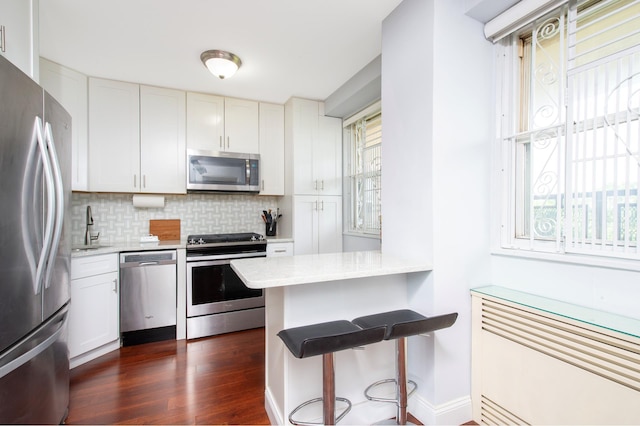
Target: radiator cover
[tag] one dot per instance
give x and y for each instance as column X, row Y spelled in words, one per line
column 530, row 366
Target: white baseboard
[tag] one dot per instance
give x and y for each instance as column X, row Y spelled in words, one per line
column 455, row 412
column 275, row 416
column 93, row 354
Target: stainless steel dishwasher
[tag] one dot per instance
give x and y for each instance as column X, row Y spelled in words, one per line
column 147, row 296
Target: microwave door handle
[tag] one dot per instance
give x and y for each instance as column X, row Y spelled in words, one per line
column 248, row 172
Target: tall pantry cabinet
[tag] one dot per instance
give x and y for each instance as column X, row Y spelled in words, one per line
column 313, row 146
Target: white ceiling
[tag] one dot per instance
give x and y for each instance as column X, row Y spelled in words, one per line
column 304, row 48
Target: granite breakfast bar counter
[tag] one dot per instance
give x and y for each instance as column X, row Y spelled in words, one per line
column 302, row 290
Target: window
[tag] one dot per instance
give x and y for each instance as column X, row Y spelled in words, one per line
column 364, row 133
column 570, row 131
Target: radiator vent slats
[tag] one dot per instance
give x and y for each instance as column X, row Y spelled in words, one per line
column 494, row 414
column 610, row 356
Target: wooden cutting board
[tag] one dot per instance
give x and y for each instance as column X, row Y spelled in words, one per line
column 165, row 229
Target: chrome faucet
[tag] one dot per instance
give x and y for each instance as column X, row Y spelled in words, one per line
column 87, row 234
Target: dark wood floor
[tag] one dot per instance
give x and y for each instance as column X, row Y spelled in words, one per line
column 216, row 380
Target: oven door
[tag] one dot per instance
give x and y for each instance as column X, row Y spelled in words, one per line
column 213, row 287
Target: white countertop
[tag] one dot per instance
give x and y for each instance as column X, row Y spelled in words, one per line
column 132, row 246
column 137, row 246
column 267, row 272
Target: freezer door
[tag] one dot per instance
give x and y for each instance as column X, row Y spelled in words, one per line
column 57, row 133
column 34, row 376
column 21, row 204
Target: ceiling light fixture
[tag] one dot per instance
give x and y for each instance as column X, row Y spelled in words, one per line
column 221, row 64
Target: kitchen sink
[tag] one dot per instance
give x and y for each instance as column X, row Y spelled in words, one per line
column 89, row 247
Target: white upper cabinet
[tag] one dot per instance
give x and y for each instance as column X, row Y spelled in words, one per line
column 114, row 136
column 205, row 122
column 316, row 143
column 19, row 34
column 215, row 123
column 69, row 87
column 136, row 138
column 271, row 149
column 162, row 140
column 241, row 126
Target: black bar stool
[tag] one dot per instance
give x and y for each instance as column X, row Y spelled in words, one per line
column 325, row 339
column 399, row 325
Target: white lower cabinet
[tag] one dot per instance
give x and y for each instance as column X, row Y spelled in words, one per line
column 94, row 313
column 317, row 224
column 275, row 249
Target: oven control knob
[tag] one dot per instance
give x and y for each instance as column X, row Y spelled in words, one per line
column 253, row 238
column 192, row 241
column 200, row 241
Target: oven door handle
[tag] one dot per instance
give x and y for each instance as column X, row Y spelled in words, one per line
column 225, row 257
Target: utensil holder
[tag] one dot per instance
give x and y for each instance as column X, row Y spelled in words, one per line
column 271, row 228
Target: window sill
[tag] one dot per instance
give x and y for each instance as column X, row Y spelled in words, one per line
column 569, row 258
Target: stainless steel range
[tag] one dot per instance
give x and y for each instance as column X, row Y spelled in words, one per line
column 217, row 299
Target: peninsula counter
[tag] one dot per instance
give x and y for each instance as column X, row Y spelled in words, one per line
column 307, row 289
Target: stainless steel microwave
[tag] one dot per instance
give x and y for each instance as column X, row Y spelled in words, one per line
column 222, row 171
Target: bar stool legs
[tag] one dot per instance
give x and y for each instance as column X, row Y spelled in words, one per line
column 329, row 391
column 399, row 325
column 325, row 339
column 401, row 382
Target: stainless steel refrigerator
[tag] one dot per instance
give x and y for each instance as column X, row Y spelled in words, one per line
column 35, row 251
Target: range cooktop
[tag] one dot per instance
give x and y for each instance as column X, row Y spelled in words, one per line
column 200, row 239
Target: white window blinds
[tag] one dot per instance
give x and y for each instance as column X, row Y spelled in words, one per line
column 603, row 105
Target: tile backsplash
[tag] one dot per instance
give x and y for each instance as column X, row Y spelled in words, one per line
column 118, row 221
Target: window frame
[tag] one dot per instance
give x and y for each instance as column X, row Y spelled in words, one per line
column 348, row 155
column 505, row 176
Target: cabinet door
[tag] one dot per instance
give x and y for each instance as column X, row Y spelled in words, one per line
column 305, row 224
column 241, row 126
column 327, row 156
column 162, row 140
column 271, row 149
column 69, row 87
column 114, row 136
column 329, row 224
column 18, row 23
column 304, row 132
column 93, row 316
column 205, row 122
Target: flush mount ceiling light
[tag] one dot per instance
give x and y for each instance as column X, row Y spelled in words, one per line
column 221, row 64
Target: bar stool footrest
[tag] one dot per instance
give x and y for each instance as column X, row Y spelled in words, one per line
column 381, row 382
column 313, row 401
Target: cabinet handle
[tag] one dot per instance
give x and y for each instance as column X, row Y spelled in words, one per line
column 280, row 251
column 315, row 185
column 221, row 145
column 228, row 144
column 135, row 181
column 322, row 185
column 115, row 286
column 3, row 41
column 315, row 205
column 144, row 181
column 322, row 205
column 262, row 189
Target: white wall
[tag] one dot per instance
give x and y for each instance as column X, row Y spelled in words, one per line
column 610, row 290
column 436, row 101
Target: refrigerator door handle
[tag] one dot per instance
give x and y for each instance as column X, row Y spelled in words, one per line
column 48, row 231
column 59, row 202
column 37, row 350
